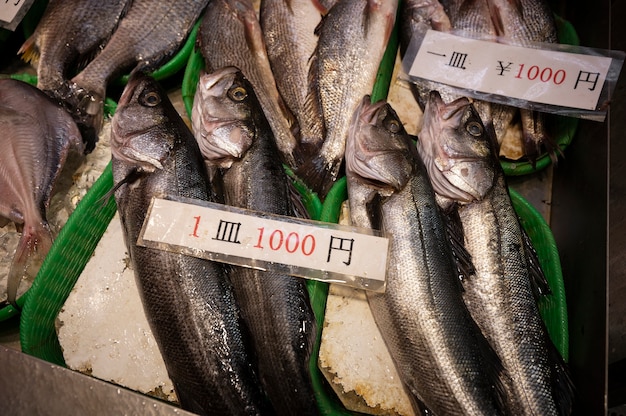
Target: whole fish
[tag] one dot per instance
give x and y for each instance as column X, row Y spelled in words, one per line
column 230, row 35
column 189, row 302
column 227, row 116
column 441, row 356
column 149, row 34
column 289, row 32
column 37, row 137
column 69, row 34
column 352, row 40
column 464, row 169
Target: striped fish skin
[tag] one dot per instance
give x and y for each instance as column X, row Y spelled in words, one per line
column 442, row 358
column 189, row 302
column 468, row 178
column 275, row 306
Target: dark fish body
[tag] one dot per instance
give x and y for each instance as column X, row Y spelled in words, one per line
column 352, row 40
column 275, row 306
column 467, row 177
column 188, row 301
column 37, row 137
column 230, row 35
column 149, row 34
column 289, row 32
column 67, row 36
column 441, row 356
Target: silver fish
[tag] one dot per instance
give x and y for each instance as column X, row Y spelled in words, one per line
column 37, row 137
column 189, row 302
column 441, row 356
column 289, row 31
column 463, row 167
column 230, row 35
column 352, row 40
column 149, row 34
column 275, row 305
column 69, row 34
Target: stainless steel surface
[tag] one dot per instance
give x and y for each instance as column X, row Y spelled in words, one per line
column 30, row 386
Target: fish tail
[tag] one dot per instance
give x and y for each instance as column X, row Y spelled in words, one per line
column 318, row 174
column 29, row 51
column 34, row 244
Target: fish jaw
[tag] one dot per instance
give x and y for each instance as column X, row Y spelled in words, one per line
column 218, row 120
column 368, row 150
column 455, row 144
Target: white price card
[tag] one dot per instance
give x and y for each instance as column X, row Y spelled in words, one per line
column 548, row 77
column 12, row 12
column 316, row 250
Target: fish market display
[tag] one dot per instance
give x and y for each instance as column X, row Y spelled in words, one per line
column 352, row 40
column 276, row 307
column 520, row 132
column 67, row 36
column 149, row 34
column 442, row 358
column 188, row 301
column 469, row 182
column 230, row 35
column 37, row 137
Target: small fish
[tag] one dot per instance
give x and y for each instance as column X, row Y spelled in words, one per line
column 69, row 34
column 37, row 137
column 236, row 138
column 443, row 359
column 230, row 35
column 462, row 163
column 352, row 40
column 149, row 33
column 189, row 302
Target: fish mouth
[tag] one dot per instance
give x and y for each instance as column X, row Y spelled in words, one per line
column 209, row 81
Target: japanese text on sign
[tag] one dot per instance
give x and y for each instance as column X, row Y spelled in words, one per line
column 540, row 76
column 303, row 248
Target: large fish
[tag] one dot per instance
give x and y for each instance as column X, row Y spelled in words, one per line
column 463, row 166
column 230, row 35
column 37, row 137
column 441, row 356
column 235, row 136
column 188, row 301
column 149, row 34
column 69, row 34
column 352, row 40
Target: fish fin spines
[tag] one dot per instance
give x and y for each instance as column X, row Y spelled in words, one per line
column 29, row 51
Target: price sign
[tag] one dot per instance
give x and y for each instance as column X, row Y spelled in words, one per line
column 310, row 249
column 12, row 12
column 541, row 76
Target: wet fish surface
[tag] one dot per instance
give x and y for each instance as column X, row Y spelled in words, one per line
column 236, row 138
column 353, row 36
column 38, row 135
column 149, row 34
column 443, row 360
column 230, row 35
column 469, row 181
column 69, row 34
column 289, row 32
column 188, row 301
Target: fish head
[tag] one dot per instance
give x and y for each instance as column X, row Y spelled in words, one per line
column 138, row 126
column 378, row 148
column 457, row 149
column 222, row 116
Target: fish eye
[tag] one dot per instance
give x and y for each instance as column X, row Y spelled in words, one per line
column 474, row 128
column 393, row 126
column 152, row 98
column 237, row 93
